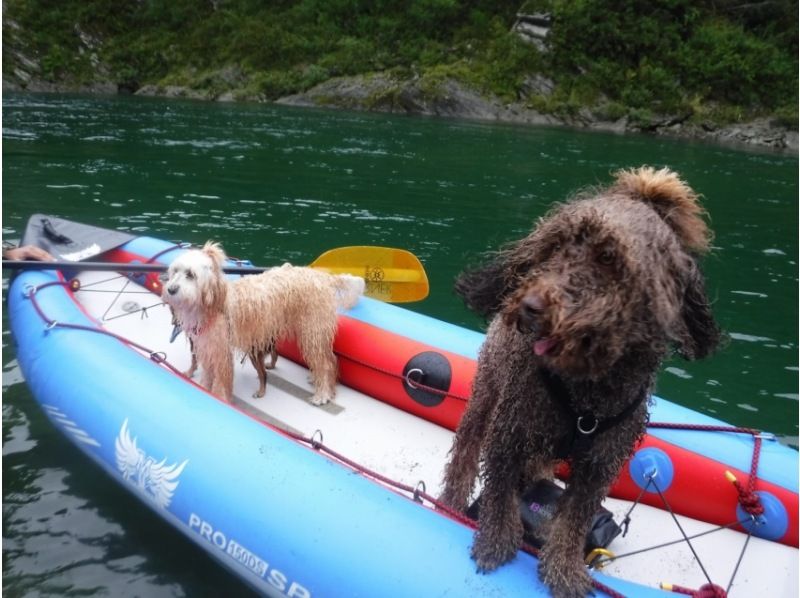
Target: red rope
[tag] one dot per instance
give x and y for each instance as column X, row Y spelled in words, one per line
column 153, row 258
column 704, row 427
column 748, row 498
column 74, row 285
column 708, row 590
column 412, row 383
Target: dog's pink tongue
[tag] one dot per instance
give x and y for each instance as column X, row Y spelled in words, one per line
column 542, row 346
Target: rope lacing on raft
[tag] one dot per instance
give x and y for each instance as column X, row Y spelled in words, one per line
column 750, row 501
column 747, row 496
column 153, row 258
column 406, row 378
column 74, row 285
column 708, row 590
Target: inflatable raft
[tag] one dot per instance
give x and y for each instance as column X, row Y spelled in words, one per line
column 305, row 501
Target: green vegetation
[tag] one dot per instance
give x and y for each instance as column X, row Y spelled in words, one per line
column 724, row 60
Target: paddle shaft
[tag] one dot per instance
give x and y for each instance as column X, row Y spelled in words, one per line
column 113, row 267
column 387, row 274
column 393, row 275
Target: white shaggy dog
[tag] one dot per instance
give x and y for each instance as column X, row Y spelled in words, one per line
column 254, row 312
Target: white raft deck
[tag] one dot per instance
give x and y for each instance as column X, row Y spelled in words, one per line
column 407, row 449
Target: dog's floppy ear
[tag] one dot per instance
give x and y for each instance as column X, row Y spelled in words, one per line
column 485, row 289
column 700, row 334
column 214, row 290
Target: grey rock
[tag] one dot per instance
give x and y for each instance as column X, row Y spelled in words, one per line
column 447, row 98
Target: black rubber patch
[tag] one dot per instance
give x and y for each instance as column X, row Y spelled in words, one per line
column 429, row 369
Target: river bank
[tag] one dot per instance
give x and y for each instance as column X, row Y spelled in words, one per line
column 449, row 98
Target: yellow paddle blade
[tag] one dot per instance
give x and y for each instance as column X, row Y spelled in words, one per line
column 392, row 275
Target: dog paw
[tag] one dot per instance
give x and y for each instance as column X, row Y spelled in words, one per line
column 566, row 579
column 320, row 400
column 259, row 393
column 489, row 554
column 573, row 589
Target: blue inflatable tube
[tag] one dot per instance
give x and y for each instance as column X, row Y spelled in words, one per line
column 284, row 518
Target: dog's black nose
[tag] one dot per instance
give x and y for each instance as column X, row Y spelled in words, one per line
column 172, row 290
column 532, row 304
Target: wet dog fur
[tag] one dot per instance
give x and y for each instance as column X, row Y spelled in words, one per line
column 251, row 314
column 583, row 310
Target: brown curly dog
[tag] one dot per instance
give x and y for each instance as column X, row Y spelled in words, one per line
column 584, row 310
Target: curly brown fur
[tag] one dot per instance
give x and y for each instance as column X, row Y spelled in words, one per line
column 250, row 314
column 593, row 299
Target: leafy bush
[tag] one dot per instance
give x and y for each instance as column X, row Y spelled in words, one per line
column 272, row 85
column 723, row 62
column 350, row 56
column 512, row 60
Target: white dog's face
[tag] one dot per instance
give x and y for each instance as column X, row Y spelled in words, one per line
column 191, row 281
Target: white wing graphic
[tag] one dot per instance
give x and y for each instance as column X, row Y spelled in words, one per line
column 129, row 457
column 157, row 480
column 163, row 481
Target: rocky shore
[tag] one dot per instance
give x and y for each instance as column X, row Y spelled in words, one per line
column 450, row 99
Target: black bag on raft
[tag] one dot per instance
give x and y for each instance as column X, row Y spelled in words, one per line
column 537, row 506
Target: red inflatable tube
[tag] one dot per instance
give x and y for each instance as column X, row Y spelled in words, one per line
column 431, row 383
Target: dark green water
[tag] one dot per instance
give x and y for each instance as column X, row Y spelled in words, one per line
column 276, row 184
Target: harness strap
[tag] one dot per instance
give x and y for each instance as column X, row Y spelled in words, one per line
column 586, row 425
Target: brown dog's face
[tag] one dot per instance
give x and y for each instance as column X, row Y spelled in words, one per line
column 612, row 272
column 590, row 291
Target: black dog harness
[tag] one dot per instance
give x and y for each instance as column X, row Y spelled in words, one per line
column 586, row 425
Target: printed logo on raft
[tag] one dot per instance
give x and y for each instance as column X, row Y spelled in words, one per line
column 257, row 565
column 157, row 480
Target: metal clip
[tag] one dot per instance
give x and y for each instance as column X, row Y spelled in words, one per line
column 417, row 496
column 594, row 559
column 411, row 382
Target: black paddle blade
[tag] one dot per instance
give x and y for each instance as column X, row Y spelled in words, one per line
column 71, row 241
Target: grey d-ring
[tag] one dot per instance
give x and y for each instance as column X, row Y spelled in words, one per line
column 410, row 381
column 587, row 432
